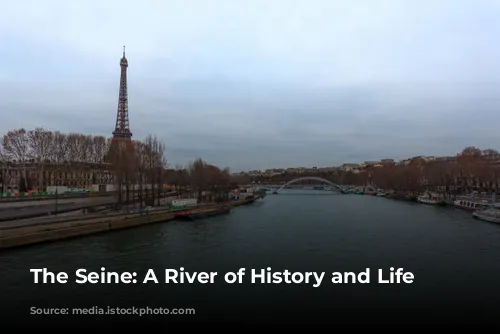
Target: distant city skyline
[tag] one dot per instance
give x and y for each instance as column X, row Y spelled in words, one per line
column 258, row 85
column 366, row 163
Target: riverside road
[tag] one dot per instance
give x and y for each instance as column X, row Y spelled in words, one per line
column 12, row 210
column 452, row 257
column 23, row 210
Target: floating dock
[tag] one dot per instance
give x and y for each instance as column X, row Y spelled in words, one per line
column 203, row 213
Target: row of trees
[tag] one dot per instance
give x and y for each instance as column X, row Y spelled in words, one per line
column 22, row 148
column 471, row 169
column 139, row 168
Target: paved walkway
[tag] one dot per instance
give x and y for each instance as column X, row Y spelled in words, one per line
column 37, row 211
column 48, row 202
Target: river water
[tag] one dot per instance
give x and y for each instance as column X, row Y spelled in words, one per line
column 454, row 260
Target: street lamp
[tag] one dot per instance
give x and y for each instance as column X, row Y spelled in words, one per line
column 57, row 186
column 56, row 172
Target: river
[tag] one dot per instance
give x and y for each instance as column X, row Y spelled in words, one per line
column 453, row 258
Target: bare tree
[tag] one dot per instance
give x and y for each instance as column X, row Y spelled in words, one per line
column 16, row 147
column 59, row 145
column 181, row 178
column 198, row 177
column 100, row 149
column 5, row 168
column 120, row 156
column 155, row 164
column 41, row 142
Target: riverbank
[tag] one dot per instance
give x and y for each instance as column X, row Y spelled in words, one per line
column 463, row 202
column 46, row 230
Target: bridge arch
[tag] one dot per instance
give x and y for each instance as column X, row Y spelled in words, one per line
column 312, row 178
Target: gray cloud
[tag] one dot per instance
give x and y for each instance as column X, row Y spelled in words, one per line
column 259, row 84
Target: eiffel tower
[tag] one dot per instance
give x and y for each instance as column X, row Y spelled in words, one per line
column 122, row 127
column 121, row 143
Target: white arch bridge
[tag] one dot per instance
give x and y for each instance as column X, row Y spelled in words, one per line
column 339, row 188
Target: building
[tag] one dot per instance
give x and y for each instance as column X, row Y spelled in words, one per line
column 38, row 178
column 371, row 163
column 42, row 175
column 350, row 167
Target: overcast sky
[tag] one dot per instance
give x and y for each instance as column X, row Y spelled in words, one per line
column 260, row 84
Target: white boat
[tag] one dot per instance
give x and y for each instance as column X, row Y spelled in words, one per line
column 491, row 215
column 429, row 201
column 470, row 205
